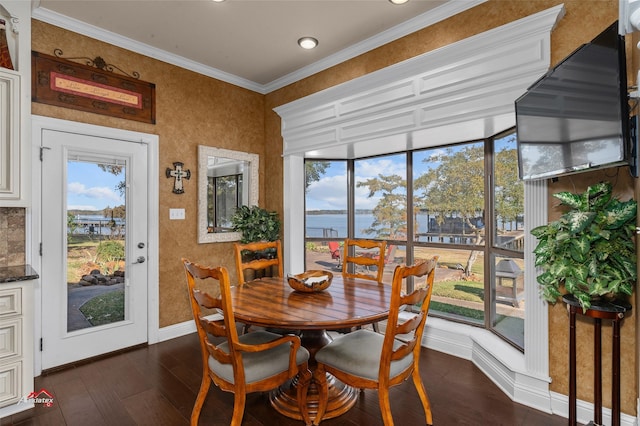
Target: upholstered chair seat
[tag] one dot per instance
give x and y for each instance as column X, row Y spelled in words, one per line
column 258, row 365
column 359, row 353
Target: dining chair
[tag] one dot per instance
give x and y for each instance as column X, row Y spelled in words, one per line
column 246, row 258
column 359, row 256
column 369, row 360
column 246, row 261
column 253, row 362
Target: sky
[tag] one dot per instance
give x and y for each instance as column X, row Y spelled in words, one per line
column 330, row 192
column 90, row 188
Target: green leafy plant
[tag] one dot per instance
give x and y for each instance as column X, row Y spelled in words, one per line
column 589, row 251
column 256, row 224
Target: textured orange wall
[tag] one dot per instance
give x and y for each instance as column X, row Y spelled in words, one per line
column 195, row 110
column 584, row 20
column 192, row 110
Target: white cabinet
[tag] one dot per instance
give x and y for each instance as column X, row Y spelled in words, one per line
column 10, row 149
column 16, row 346
column 15, row 107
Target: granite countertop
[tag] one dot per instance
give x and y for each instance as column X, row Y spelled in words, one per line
column 17, row 273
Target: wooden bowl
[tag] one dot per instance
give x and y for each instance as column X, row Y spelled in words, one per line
column 310, row 281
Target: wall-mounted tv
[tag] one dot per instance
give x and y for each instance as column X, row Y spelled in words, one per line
column 576, row 117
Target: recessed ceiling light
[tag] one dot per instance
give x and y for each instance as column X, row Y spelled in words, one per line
column 308, row 42
column 217, row 1
column 398, row 1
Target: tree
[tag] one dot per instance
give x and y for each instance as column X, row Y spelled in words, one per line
column 115, row 170
column 509, row 190
column 454, row 187
column 313, row 170
column 390, row 214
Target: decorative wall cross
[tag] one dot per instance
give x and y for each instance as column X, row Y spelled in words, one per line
column 178, row 174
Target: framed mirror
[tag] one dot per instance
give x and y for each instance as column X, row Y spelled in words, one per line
column 226, row 180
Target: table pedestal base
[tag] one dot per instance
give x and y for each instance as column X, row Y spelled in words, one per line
column 341, row 397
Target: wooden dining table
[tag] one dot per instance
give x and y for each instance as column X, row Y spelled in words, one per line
column 348, row 302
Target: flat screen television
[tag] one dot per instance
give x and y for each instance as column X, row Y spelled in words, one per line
column 576, row 117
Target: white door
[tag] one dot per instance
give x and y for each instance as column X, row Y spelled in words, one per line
column 94, row 246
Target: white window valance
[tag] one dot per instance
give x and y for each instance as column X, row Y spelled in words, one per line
column 459, row 92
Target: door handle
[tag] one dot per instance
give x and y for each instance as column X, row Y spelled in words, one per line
column 140, row 259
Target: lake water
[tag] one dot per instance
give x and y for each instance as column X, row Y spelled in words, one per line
column 335, row 225
column 97, row 224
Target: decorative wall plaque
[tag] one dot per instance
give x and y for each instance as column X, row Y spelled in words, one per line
column 60, row 82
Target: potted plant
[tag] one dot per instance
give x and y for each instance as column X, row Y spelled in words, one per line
column 256, row 224
column 589, row 252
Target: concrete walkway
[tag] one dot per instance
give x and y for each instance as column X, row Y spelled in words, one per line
column 78, row 296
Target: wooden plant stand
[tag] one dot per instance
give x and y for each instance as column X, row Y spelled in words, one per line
column 599, row 310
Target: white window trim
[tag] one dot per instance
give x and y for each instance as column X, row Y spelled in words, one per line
column 463, row 91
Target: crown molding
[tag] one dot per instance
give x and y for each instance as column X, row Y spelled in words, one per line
column 424, row 20
column 419, row 22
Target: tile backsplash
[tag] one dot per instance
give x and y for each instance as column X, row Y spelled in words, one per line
column 12, row 236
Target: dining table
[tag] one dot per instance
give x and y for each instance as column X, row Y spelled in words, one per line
column 347, row 303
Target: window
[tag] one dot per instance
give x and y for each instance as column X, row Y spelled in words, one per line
column 467, row 207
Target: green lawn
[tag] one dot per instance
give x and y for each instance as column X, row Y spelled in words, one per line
column 470, row 291
column 105, row 309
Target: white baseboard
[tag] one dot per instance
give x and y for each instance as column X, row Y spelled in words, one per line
column 176, row 330
column 584, row 411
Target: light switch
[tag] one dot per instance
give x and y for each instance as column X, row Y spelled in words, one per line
column 176, row 214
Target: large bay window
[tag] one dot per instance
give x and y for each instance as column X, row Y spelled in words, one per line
column 418, row 110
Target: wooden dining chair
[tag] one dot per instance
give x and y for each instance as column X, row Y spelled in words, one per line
column 254, row 362
column 369, row 360
column 360, row 255
column 261, row 262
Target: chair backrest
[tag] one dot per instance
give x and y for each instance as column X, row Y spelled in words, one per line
column 410, row 329
column 360, row 255
column 262, row 261
column 197, row 277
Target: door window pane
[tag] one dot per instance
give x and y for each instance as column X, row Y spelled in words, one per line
column 96, row 214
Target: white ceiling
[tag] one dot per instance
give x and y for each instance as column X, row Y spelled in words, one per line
column 250, row 43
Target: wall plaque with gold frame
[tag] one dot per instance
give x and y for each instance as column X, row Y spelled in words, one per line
column 60, row 82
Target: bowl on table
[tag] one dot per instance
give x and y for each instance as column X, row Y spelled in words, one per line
column 310, row 281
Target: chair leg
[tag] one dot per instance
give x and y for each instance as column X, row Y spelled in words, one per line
column 304, row 379
column 320, row 377
column 375, row 327
column 385, row 406
column 238, row 408
column 202, row 394
column 426, row 405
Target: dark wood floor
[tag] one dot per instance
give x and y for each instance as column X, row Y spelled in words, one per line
column 157, row 385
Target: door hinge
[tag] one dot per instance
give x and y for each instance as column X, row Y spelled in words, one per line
column 42, row 148
column 41, row 344
column 40, row 250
